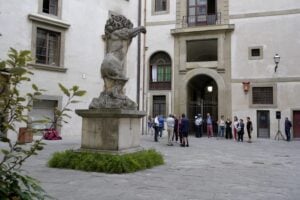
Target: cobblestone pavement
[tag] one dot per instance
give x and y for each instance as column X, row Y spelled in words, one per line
column 210, row 169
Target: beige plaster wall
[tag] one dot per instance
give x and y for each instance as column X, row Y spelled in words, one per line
column 217, row 70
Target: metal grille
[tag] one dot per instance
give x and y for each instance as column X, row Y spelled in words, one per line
column 159, row 105
column 262, row 95
column 255, row 52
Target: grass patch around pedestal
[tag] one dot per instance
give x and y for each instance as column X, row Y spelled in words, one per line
column 108, row 163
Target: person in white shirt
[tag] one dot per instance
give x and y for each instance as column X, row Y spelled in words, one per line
column 198, row 124
column 156, row 127
column 170, row 128
column 235, row 127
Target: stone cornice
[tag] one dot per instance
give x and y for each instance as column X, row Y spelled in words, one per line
column 110, row 113
column 49, row 21
column 265, row 14
column 48, row 67
column 199, row 29
column 160, row 23
column 267, row 80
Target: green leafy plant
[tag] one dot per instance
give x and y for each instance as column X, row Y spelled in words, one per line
column 14, row 108
column 96, row 162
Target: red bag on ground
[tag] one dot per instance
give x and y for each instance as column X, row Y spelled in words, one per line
column 51, row 134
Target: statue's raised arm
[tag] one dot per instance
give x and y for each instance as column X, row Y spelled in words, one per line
column 119, row 32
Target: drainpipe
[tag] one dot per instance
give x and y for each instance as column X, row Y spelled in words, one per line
column 139, row 63
column 139, row 56
column 144, row 75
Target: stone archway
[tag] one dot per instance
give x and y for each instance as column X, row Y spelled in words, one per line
column 223, row 98
column 202, row 98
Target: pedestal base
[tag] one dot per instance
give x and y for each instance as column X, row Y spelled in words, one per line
column 110, row 130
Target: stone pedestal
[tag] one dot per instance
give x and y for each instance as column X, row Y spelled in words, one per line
column 111, row 130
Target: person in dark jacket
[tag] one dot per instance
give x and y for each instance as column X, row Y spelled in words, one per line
column 228, row 134
column 241, row 127
column 184, row 128
column 156, row 128
column 249, row 128
column 287, row 128
column 175, row 134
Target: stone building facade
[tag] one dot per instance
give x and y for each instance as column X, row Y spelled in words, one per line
column 263, row 30
column 221, row 57
column 65, row 38
column 198, row 56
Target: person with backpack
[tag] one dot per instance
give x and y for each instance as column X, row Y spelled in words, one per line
column 161, row 125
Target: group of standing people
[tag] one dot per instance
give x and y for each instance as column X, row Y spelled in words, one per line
column 224, row 127
column 176, row 128
column 239, row 129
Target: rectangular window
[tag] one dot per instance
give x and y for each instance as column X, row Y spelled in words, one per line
column 47, row 47
column 160, row 73
column 160, row 5
column 201, row 12
column 255, row 53
column 159, row 105
column 50, row 7
column 202, row 50
column 168, row 74
column 262, row 95
column 40, row 110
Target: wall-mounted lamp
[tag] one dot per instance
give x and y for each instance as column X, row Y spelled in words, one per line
column 276, row 60
column 209, row 88
column 246, row 86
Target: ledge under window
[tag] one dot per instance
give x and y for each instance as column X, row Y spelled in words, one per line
column 49, row 21
column 48, row 67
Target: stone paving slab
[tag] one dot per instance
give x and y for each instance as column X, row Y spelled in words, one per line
column 210, row 169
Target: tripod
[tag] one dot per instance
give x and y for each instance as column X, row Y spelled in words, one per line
column 279, row 134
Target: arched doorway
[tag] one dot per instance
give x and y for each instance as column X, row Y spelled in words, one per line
column 202, row 98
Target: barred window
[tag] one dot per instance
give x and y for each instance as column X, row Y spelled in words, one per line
column 159, row 105
column 50, row 7
column 47, row 47
column 255, row 53
column 262, row 95
column 160, row 5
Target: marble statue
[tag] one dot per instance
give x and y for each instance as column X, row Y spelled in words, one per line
column 119, row 32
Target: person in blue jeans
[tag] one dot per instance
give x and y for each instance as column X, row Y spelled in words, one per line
column 221, row 124
column 161, row 125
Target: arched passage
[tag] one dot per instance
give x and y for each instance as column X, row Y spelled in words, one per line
column 202, row 98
